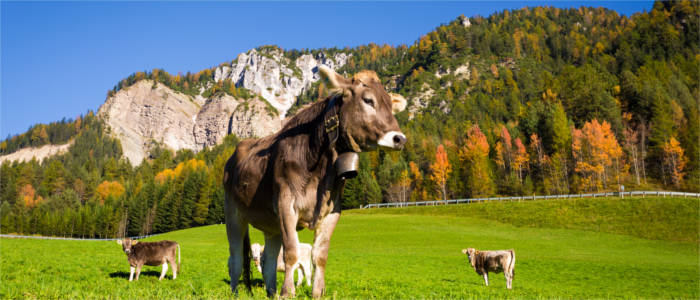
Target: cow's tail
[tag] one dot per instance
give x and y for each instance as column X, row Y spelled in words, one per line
column 179, row 268
column 246, row 261
column 511, row 266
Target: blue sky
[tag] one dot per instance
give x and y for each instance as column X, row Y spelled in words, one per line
column 58, row 59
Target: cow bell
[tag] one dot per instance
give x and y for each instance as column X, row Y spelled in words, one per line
column 346, row 165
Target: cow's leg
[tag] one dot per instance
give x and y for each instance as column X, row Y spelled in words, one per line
column 300, row 276
column 173, row 266
column 290, row 239
column 307, row 271
column 138, row 271
column 235, row 230
column 269, row 266
column 305, row 268
column 486, row 278
column 131, row 277
column 165, row 270
column 319, row 253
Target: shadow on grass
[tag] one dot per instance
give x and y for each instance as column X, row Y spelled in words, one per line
column 257, row 282
column 125, row 275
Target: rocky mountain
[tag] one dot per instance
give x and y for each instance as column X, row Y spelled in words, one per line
column 276, row 78
column 149, row 113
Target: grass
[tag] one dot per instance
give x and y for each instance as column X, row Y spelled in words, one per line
column 383, row 253
column 660, row 218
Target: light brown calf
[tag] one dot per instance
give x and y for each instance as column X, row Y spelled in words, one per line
column 497, row 261
column 303, row 265
column 151, row 254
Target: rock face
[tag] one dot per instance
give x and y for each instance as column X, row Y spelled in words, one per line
column 145, row 113
column 148, row 114
column 254, row 118
column 276, row 78
column 213, row 121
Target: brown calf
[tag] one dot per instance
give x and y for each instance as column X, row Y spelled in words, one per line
column 151, row 254
column 493, row 261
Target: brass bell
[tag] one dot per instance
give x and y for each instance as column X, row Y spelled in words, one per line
column 346, row 165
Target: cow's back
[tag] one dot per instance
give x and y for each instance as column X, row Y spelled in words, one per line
column 245, row 169
column 154, row 253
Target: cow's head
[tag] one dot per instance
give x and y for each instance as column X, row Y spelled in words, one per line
column 127, row 243
column 471, row 255
column 256, row 251
column 367, row 112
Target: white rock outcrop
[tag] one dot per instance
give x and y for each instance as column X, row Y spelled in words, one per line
column 145, row 113
column 38, row 153
column 276, row 78
column 254, row 119
column 213, row 121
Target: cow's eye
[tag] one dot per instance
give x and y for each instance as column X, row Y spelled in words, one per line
column 368, row 101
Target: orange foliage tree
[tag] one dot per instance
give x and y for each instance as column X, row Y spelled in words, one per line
column 109, row 188
column 417, row 193
column 520, row 160
column 29, row 196
column 475, row 153
column 597, row 155
column 441, row 170
column 674, row 162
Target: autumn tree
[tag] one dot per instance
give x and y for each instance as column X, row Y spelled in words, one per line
column 520, row 160
column 674, row 162
column 29, row 196
column 109, row 188
column 475, row 155
column 597, row 155
column 441, row 170
column 418, row 192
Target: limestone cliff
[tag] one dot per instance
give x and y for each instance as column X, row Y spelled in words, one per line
column 146, row 114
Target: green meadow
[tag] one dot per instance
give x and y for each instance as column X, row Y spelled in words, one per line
column 591, row 248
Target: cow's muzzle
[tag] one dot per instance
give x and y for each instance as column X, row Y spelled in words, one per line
column 392, row 140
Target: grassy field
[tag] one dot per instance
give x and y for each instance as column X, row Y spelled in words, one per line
column 388, row 253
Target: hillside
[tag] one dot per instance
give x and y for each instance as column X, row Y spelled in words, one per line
column 386, row 256
column 538, row 100
column 660, row 218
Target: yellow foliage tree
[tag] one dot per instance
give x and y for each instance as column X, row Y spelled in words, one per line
column 441, row 170
column 674, row 161
column 28, row 195
column 109, row 188
column 597, row 155
column 475, row 154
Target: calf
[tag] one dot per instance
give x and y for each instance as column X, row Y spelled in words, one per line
column 303, row 264
column 151, row 254
column 493, row 261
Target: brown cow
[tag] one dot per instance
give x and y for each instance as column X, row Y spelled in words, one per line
column 151, row 254
column 497, row 261
column 288, row 181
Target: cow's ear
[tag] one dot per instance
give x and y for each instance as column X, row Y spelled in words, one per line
column 398, row 103
column 119, row 242
column 464, row 251
column 134, row 242
column 336, row 82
